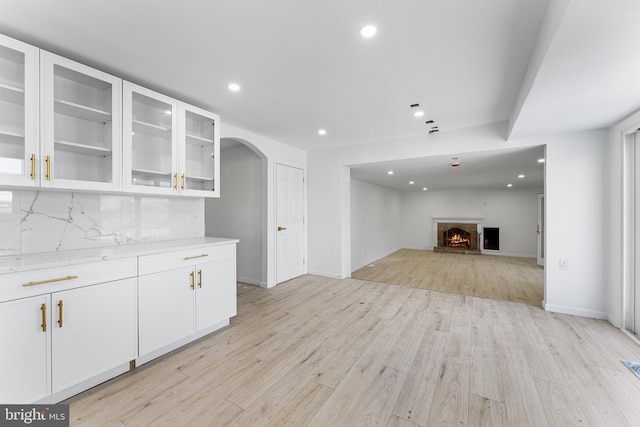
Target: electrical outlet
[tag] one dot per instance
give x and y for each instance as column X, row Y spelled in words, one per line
column 563, row 264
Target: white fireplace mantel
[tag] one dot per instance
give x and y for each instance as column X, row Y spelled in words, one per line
column 466, row 220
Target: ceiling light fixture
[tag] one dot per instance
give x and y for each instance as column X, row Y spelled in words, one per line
column 322, row 132
column 540, row 160
column 234, row 87
column 417, row 111
column 411, row 182
column 509, row 185
column 368, row 31
column 390, row 173
column 521, row 176
column 424, row 188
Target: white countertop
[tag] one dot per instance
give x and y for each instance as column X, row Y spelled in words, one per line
column 20, row 263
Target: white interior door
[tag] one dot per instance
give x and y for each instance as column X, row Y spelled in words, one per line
column 540, row 229
column 289, row 223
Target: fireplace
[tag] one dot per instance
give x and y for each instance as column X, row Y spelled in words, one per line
column 455, row 237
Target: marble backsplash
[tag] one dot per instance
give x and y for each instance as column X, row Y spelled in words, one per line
column 44, row 221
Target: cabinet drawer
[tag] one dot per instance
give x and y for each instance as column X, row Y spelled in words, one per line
column 149, row 264
column 37, row 282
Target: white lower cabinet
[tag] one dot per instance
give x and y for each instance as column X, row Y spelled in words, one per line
column 93, row 331
column 165, row 309
column 25, row 328
column 183, row 295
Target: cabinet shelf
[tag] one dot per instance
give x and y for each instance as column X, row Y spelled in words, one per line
column 150, row 129
column 150, row 172
column 10, row 93
column 11, row 137
column 200, row 178
column 82, row 148
column 82, row 111
column 198, row 140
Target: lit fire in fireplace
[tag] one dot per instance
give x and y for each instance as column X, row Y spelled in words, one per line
column 457, row 241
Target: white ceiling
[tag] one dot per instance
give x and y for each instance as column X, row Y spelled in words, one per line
column 303, row 66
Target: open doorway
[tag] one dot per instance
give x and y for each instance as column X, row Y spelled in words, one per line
column 240, row 212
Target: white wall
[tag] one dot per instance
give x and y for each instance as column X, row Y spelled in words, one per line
column 271, row 152
column 238, row 211
column 513, row 210
column 376, row 222
column 576, row 165
column 575, row 197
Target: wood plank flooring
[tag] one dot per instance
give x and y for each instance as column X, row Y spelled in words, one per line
column 323, row 352
column 488, row 276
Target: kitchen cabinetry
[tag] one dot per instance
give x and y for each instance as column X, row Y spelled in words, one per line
column 183, row 295
column 25, row 326
column 81, row 129
column 69, row 327
column 169, row 147
column 19, row 145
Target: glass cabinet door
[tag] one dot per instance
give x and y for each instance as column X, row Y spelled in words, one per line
column 150, row 141
column 199, row 152
column 18, row 113
column 81, row 126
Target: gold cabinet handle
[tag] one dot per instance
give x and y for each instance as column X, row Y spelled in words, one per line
column 200, row 278
column 42, row 282
column 182, row 186
column 60, row 313
column 43, row 308
column 33, row 166
column 194, row 257
column 175, row 180
column 47, row 175
column 281, row 228
column 193, row 283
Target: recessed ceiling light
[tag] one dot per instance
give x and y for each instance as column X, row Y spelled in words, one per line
column 521, row 176
column 411, row 182
column 424, row 188
column 168, row 112
column 540, row 160
column 322, row 132
column 390, row 173
column 509, row 185
column 368, row 31
column 234, row 87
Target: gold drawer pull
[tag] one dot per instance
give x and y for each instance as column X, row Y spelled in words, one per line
column 47, row 175
column 200, row 278
column 175, row 181
column 43, row 308
column 194, row 257
column 33, row 166
column 60, row 313
column 182, row 187
column 193, row 284
column 42, row 282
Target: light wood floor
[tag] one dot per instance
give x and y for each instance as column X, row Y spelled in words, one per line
column 488, row 276
column 326, row 352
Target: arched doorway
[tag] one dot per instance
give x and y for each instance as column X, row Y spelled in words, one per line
column 240, row 212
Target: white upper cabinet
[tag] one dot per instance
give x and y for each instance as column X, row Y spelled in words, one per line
column 150, row 141
column 81, row 126
column 199, row 148
column 18, row 113
column 169, row 147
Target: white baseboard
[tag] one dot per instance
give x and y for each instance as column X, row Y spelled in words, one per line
column 325, row 274
column 576, row 311
column 249, row 281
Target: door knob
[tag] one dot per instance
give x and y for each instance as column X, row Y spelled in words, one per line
column 281, row 228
